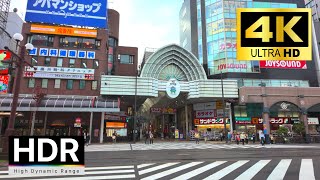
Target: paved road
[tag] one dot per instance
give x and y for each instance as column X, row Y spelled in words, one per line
column 220, row 163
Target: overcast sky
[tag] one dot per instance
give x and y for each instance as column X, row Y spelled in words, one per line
column 156, row 20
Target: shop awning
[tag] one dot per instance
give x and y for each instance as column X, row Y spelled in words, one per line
column 61, row 104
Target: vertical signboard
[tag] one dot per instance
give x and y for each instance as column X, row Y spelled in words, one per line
column 4, row 56
column 4, row 81
column 86, row 13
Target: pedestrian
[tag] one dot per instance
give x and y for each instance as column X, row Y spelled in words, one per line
column 88, row 139
column 247, row 138
column 271, row 139
column 221, row 136
column 242, row 137
column 151, row 137
column 229, row 136
column 114, row 137
column 146, row 135
column 253, row 138
column 237, row 138
column 197, row 136
column 85, row 137
column 262, row 138
column 205, row 135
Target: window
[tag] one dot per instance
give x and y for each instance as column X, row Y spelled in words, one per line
column 255, row 66
column 240, row 111
column 72, row 63
column 69, row 84
column 98, row 44
column 88, row 43
column 94, row 85
column 34, row 60
column 59, row 62
column 31, row 83
column 44, row 83
column 41, row 40
column 57, row 83
column 84, row 63
column 82, row 84
column 47, row 61
column 95, row 64
column 69, row 42
column 126, row 59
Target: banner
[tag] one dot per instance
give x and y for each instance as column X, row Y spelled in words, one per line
column 67, row 31
column 4, row 81
column 58, row 75
column 4, row 56
column 284, row 64
column 86, row 13
column 205, row 114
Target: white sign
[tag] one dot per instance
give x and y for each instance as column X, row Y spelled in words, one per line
column 63, row 53
column 58, row 75
column 173, row 88
column 204, row 106
column 313, row 120
column 205, row 114
column 59, row 70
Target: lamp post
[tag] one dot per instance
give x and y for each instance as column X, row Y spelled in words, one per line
column 16, row 87
column 135, row 108
column 224, row 110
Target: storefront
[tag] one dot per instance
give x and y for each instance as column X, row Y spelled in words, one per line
column 249, row 125
column 116, row 122
column 211, row 125
column 313, row 125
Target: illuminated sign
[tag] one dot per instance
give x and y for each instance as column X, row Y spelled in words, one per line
column 67, row 31
column 58, row 75
column 4, row 81
column 91, row 13
column 59, row 70
column 273, row 34
column 284, row 64
column 63, row 53
column 204, row 121
column 116, row 125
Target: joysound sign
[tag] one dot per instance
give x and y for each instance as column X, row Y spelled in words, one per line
column 173, row 88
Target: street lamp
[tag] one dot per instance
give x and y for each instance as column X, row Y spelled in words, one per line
column 16, row 87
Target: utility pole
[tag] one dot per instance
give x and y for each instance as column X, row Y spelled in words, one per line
column 224, row 110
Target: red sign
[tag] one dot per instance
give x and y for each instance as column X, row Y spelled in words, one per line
column 204, row 121
column 6, row 56
column 205, row 114
column 4, row 81
column 284, row 64
column 78, row 120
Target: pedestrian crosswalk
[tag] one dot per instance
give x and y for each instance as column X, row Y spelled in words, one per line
column 270, row 169
column 184, row 145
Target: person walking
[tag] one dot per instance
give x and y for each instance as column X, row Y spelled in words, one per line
column 85, row 137
column 221, row 136
column 114, row 137
column 247, row 138
column 253, row 138
column 205, row 135
column 242, row 137
column 197, row 137
column 151, row 137
column 88, row 139
column 146, row 135
column 262, row 138
column 229, row 137
column 237, row 138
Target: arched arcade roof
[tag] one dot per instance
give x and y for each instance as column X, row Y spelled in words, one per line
column 173, row 54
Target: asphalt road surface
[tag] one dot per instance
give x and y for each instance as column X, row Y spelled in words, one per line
column 251, row 162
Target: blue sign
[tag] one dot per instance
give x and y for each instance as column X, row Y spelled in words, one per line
column 62, row 53
column 33, row 52
column 43, row 52
column 91, row 13
column 91, row 55
column 72, row 53
column 53, row 52
column 82, row 54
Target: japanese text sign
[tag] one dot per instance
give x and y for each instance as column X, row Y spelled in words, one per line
column 91, row 13
column 68, row 31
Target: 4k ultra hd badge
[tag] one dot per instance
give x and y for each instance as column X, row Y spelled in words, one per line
column 273, row 34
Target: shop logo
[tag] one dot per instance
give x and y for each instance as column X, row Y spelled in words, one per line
column 274, row 33
column 284, row 106
column 46, row 156
column 173, row 88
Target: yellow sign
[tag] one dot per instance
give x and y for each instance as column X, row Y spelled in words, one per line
column 219, row 105
column 274, row 33
column 67, row 31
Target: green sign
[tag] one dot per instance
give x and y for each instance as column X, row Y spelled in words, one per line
column 243, row 118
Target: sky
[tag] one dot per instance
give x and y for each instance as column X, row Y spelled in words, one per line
column 143, row 23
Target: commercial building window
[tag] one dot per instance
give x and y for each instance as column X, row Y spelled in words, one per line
column 69, row 84
column 95, row 64
column 47, row 61
column 94, row 85
column 82, row 84
column 31, row 83
column 88, row 43
column 84, row 63
column 34, row 60
column 57, row 83
column 255, row 66
column 44, row 83
column 72, row 63
column 59, row 62
column 41, row 40
column 69, row 42
column 126, row 59
column 240, row 111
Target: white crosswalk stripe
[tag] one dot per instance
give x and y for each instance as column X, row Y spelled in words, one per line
column 184, row 145
column 239, row 170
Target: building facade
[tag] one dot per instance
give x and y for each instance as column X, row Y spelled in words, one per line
column 214, row 27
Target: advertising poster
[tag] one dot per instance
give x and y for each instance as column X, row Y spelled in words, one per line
column 4, row 81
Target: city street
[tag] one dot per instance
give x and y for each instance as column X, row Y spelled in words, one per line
column 207, row 161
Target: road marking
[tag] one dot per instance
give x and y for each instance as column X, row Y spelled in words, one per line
column 306, row 170
column 92, row 177
column 4, row 172
column 109, row 167
column 253, row 170
column 199, row 170
column 156, row 168
column 110, row 172
column 280, row 171
column 171, row 171
column 225, row 171
column 144, row 165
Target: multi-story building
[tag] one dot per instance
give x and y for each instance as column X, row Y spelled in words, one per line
column 63, row 73
column 212, row 26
